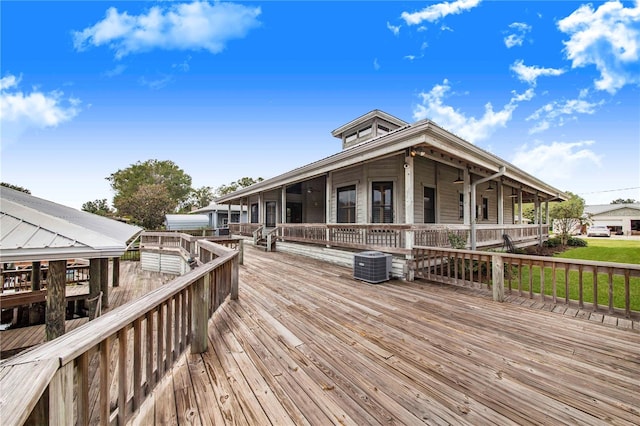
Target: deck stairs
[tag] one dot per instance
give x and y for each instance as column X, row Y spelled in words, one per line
column 265, row 238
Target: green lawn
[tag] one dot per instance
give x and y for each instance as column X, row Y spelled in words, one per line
column 599, row 249
column 606, row 250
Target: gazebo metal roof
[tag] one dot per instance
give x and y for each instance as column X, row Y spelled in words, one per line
column 33, row 229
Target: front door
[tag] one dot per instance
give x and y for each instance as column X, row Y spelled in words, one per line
column 270, row 221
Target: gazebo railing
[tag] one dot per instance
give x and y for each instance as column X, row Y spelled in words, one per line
column 142, row 338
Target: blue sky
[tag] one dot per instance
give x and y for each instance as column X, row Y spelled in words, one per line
column 233, row 89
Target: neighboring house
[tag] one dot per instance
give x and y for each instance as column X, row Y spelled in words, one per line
column 621, row 219
column 184, row 222
column 395, row 185
column 218, row 214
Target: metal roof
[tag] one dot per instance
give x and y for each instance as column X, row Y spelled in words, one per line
column 424, row 132
column 32, row 229
column 213, row 206
column 597, row 209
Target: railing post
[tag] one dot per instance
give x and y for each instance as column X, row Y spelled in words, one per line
column 200, row 314
column 61, row 396
column 241, row 252
column 497, row 278
column 234, row 278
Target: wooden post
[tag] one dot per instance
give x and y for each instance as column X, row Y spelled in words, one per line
column 94, row 284
column 35, row 276
column 56, row 306
column 34, row 309
column 241, row 251
column 61, row 393
column 115, row 277
column 200, row 315
column 234, row 279
column 104, row 281
column 498, row 278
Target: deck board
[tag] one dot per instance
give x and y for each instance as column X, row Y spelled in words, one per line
column 307, row 344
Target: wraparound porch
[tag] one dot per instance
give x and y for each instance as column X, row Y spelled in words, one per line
column 395, row 238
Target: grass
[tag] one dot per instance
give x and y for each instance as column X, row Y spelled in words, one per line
column 599, row 249
column 606, row 250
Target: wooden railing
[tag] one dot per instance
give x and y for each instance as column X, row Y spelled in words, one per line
column 20, row 279
column 187, row 243
column 114, row 362
column 244, row 229
column 599, row 286
column 393, row 237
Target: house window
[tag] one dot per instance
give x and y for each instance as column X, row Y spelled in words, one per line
column 382, row 202
column 347, row 204
column 461, row 206
column 429, row 205
column 485, row 208
column 254, row 213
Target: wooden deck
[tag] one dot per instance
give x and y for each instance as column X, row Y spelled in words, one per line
column 307, row 344
column 133, row 283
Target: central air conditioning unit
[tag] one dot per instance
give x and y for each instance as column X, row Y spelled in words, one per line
column 372, row 266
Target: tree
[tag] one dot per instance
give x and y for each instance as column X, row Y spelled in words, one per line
column 621, row 201
column 567, row 216
column 16, row 187
column 199, row 197
column 234, row 186
column 99, row 207
column 145, row 178
column 148, row 206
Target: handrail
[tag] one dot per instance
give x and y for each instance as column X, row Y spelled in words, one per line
column 584, row 283
column 173, row 317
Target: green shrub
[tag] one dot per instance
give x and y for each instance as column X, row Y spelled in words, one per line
column 553, row 242
column 576, row 242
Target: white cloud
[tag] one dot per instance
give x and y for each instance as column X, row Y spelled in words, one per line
column 555, row 114
column 438, row 11
column 157, row 83
column 609, row 38
column 376, row 64
column 20, row 111
column 516, row 38
column 558, row 161
column 394, row 29
column 184, row 26
column 469, row 128
column 117, row 70
column 530, row 74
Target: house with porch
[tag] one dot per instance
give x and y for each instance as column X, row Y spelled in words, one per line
column 393, row 186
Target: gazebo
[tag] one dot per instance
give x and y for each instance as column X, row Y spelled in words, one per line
column 34, row 230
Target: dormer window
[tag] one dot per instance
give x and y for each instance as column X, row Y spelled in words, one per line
column 364, row 132
column 369, row 126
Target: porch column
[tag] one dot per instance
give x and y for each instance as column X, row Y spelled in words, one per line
column 546, row 209
column 539, row 219
column 283, row 209
column 56, row 306
column 520, row 221
column 409, row 213
column 228, row 214
column 466, row 200
column 240, row 217
column 500, row 203
column 328, row 202
column 260, row 209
